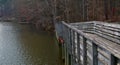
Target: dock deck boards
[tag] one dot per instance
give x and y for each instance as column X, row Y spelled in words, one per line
column 104, row 43
column 92, row 43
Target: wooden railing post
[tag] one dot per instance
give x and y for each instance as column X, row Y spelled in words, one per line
column 73, row 47
column 84, row 51
column 69, row 47
column 95, row 54
column 70, row 38
column 78, row 48
column 113, row 60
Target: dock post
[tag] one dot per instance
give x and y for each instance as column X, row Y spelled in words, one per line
column 95, row 54
column 113, row 60
column 78, row 48
column 84, row 51
column 72, row 47
column 68, row 46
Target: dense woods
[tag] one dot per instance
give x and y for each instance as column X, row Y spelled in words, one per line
column 42, row 13
column 87, row 10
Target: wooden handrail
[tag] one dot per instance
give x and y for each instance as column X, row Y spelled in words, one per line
column 72, row 35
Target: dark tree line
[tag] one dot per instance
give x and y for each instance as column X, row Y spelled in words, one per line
column 42, row 13
column 87, row 10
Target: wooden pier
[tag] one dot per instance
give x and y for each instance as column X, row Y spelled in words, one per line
column 90, row 43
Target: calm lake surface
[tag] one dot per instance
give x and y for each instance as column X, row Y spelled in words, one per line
column 22, row 45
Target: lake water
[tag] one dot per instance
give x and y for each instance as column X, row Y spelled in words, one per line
column 22, row 45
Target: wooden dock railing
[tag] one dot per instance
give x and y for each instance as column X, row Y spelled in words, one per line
column 90, row 43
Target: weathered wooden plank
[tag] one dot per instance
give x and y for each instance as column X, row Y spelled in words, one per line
column 110, row 25
column 106, row 44
column 77, row 23
column 110, row 31
column 82, row 49
column 103, row 32
column 108, row 37
column 109, row 28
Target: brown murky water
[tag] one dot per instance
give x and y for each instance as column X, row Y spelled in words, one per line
column 21, row 45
